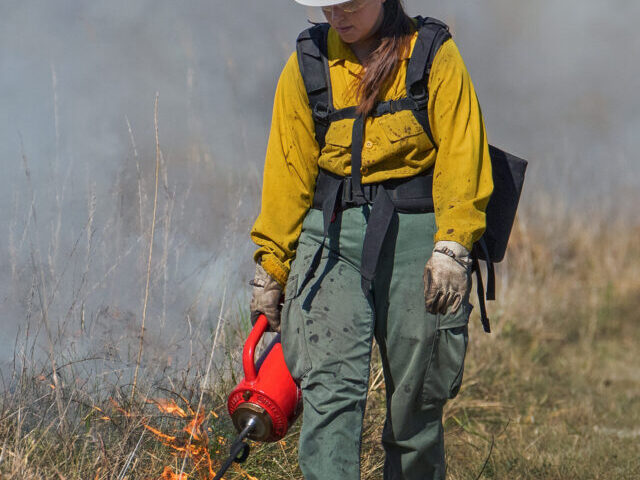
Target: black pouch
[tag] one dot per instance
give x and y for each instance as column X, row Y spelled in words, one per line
column 508, row 179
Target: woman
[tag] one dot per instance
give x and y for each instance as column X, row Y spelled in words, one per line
column 414, row 300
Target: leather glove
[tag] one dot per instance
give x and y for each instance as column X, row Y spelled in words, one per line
column 266, row 298
column 447, row 277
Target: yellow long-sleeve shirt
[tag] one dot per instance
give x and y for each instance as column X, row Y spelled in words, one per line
column 395, row 146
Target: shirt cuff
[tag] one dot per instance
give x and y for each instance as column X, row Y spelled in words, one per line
column 274, row 267
column 453, row 235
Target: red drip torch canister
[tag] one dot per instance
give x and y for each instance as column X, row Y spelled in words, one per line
column 267, row 397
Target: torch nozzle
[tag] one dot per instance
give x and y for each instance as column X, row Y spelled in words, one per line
column 239, row 449
column 251, row 424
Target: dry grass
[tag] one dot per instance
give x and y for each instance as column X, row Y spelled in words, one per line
column 559, row 370
column 553, row 393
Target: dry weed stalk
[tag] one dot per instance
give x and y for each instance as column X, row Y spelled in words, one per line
column 151, row 235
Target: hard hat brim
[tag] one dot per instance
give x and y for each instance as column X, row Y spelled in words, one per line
column 319, row 3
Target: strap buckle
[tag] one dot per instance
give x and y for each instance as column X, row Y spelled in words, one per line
column 370, row 190
column 321, row 113
column 347, row 193
column 384, row 108
column 418, row 93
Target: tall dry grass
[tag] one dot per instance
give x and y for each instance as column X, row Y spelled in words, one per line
column 553, row 393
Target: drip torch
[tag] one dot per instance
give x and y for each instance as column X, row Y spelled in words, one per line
column 266, row 402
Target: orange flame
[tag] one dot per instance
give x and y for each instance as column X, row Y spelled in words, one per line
column 190, row 442
column 169, row 474
column 170, row 407
column 115, row 405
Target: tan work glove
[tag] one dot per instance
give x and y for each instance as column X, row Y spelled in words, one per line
column 266, row 298
column 447, row 277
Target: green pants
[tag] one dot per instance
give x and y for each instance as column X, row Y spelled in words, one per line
column 328, row 327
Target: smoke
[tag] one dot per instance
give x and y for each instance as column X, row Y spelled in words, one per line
column 557, row 86
column 556, row 80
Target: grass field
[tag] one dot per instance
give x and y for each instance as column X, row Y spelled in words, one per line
column 553, row 393
column 120, row 334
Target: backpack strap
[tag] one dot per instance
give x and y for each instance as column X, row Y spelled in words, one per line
column 312, row 51
column 432, row 34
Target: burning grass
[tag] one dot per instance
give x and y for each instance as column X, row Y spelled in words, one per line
column 187, row 440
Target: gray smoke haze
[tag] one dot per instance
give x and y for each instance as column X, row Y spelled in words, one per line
column 557, row 81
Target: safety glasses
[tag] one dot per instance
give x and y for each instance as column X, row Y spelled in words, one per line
column 351, row 6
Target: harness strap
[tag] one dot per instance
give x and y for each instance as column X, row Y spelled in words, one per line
column 329, row 192
column 413, row 195
column 357, row 138
column 381, row 108
column 432, row 34
column 311, row 48
column 409, row 195
column 475, row 267
column 334, row 193
column 380, row 219
column 491, row 273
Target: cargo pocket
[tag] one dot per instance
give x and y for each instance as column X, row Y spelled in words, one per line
column 292, row 334
column 445, row 365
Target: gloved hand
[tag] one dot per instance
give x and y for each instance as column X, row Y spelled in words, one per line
column 447, row 277
column 266, row 298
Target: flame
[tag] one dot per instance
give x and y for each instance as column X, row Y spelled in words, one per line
column 115, row 405
column 170, row 407
column 169, row 474
column 190, row 442
column 166, row 439
column 248, row 477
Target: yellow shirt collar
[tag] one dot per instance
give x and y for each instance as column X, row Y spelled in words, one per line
column 340, row 52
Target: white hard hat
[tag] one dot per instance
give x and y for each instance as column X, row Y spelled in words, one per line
column 319, row 3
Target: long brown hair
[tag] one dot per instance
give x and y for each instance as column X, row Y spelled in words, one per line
column 395, row 38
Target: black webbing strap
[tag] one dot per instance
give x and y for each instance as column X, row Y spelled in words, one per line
column 380, row 218
column 311, row 48
column 475, row 266
column 432, row 34
column 381, row 108
column 393, row 106
column 491, row 273
column 331, row 194
column 357, row 137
